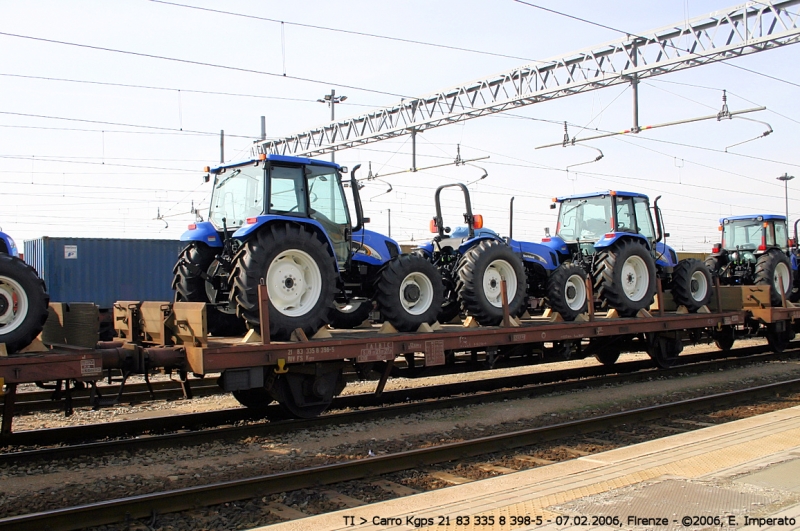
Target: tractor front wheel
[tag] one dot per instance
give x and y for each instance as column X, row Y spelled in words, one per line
column 566, row 290
column 625, row 277
column 23, row 303
column 773, row 269
column 409, row 292
column 691, row 284
column 480, row 277
column 298, row 272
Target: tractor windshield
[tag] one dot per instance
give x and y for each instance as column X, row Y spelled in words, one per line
column 584, row 219
column 238, row 194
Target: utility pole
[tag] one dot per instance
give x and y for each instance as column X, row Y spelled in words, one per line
column 332, row 99
column 786, row 178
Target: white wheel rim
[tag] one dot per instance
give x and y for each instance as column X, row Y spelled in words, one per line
column 294, row 283
column 16, row 307
column 698, row 285
column 782, row 273
column 578, row 298
column 498, row 271
column 416, row 293
column 635, row 278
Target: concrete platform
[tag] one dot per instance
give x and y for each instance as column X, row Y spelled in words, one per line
column 721, row 477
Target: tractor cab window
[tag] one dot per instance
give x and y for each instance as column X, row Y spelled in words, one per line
column 329, row 207
column 781, row 239
column 626, row 219
column 643, row 220
column 742, row 234
column 584, row 219
column 287, row 191
column 238, row 194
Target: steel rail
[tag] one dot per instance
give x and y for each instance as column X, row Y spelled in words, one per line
column 146, row 505
column 433, row 402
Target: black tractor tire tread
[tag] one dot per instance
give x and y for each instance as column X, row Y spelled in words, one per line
column 38, row 303
column 555, row 290
column 189, row 286
column 350, row 320
column 765, row 270
column 470, row 282
column 251, row 263
column 682, row 284
column 387, row 292
column 609, row 288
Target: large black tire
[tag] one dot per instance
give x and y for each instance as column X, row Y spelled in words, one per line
column 566, row 290
column 691, row 284
column 625, row 277
column 190, row 286
column 771, row 266
column 299, row 274
column 350, row 315
column 714, row 264
column 23, row 303
column 409, row 292
column 479, row 282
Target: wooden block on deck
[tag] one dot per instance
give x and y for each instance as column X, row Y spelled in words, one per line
column 424, row 328
column 734, row 298
column 35, row 346
column 612, row 314
column 471, row 322
column 387, row 328
column 643, row 313
column 251, row 337
column 3, row 350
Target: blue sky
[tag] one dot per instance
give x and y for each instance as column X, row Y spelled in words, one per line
column 124, row 142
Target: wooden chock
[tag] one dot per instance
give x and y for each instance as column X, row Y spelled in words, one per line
column 525, row 315
column 251, row 336
column 703, row 309
column 35, row 346
column 556, row 317
column 514, row 322
column 471, row 322
column 612, row 313
column 548, row 312
column 387, row 328
column 322, row 333
column 682, row 309
column 644, row 313
column 3, row 350
column 298, row 336
column 582, row 318
column 424, row 328
column 436, row 326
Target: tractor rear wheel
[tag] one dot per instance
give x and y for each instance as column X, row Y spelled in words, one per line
column 409, row 292
column 298, row 272
column 772, row 269
column 480, row 276
column 194, row 281
column 691, row 284
column 625, row 277
column 566, row 290
column 352, row 314
column 23, row 303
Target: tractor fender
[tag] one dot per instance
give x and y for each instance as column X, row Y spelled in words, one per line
column 373, row 248
column 613, row 237
column 536, row 253
column 469, row 244
column 205, row 232
column 7, row 245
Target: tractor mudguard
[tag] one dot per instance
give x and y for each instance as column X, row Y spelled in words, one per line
column 665, row 255
column 205, row 232
column 536, row 253
column 373, row 248
column 7, row 245
column 248, row 229
column 612, row 237
column 426, row 248
column 479, row 237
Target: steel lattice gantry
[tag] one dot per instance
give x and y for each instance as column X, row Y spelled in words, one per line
column 725, row 34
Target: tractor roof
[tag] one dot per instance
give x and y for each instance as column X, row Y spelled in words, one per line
column 598, row 194
column 753, row 217
column 278, row 158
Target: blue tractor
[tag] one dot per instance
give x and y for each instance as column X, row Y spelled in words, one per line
column 609, row 237
column 754, row 250
column 23, row 299
column 474, row 262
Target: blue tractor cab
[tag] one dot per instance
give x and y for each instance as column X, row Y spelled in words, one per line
column 23, row 299
column 754, row 250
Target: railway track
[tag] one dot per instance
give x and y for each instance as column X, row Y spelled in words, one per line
column 144, row 506
column 396, row 403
